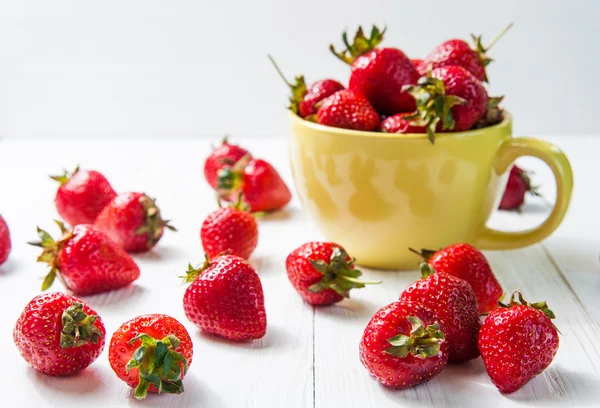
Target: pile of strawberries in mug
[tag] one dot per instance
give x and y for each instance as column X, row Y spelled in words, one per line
column 435, row 321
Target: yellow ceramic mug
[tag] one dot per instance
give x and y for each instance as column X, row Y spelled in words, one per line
column 378, row 194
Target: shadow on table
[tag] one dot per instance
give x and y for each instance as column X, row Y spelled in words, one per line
column 352, row 308
column 286, row 213
column 88, row 381
column 8, row 268
column 116, row 299
column 275, row 338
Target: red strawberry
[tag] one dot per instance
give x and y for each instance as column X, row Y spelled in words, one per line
column 303, row 101
column 397, row 124
column 467, row 262
column 518, row 185
column 86, row 260
column 323, row 273
column 82, row 195
column 231, row 230
column 451, row 96
column 403, row 345
column 226, row 299
column 417, row 63
column 4, row 241
column 225, row 155
column 133, row 221
column 454, row 303
column 262, row 188
column 348, row 110
column 517, row 342
column 459, row 52
column 379, row 73
column 151, row 353
column 58, row 334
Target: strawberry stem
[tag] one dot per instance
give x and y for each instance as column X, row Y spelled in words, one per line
column 422, row 342
column 78, row 327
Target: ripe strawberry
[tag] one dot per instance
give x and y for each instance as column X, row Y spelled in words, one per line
column 379, row 73
column 348, row 109
column 82, row 195
column 4, row 241
column 151, row 353
column 459, row 52
column 323, row 273
column 451, row 96
column 262, row 188
column 517, row 342
column 467, row 262
column 225, row 155
column 518, row 185
column 418, row 64
column 226, row 299
column 397, row 124
column 229, row 229
column 85, row 260
column 303, row 101
column 454, row 303
column 133, row 221
column 58, row 334
column 403, row 345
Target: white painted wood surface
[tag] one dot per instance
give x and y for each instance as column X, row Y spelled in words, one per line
column 309, row 357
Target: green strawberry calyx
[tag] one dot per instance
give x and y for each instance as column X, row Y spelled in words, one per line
column 541, row 306
column 425, row 254
column 494, row 113
column 50, row 251
column 78, row 327
column 481, row 50
column 159, row 365
column 361, row 44
column 426, row 269
column 194, row 273
column 433, row 105
column 230, row 179
column 422, row 342
column 298, row 88
column 66, row 176
column 154, row 224
column 339, row 274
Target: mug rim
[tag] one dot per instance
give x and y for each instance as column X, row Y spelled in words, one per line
column 506, row 122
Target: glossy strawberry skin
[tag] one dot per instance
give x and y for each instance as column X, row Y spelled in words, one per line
column 455, row 306
column 227, row 300
column 456, row 52
column 348, row 109
column 263, row 188
column 390, row 370
column 83, row 196
column 461, row 83
column 90, row 262
column 158, row 326
column 397, row 124
column 222, row 156
column 302, row 274
column 229, row 229
column 379, row 75
column 466, row 262
column 516, row 344
column 315, row 94
column 37, row 336
column 5, row 245
column 516, row 188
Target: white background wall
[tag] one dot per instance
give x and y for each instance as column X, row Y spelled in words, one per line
column 194, row 67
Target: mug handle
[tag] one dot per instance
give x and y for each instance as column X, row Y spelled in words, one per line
column 559, row 164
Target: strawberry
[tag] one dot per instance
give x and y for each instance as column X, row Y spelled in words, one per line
column 262, row 188
column 517, row 186
column 403, row 345
column 229, row 229
column 323, row 273
column 451, row 96
column 225, row 155
column 418, row 64
column 4, row 241
column 454, row 303
column 85, row 260
column 459, row 52
column 348, row 109
column 379, row 73
column 467, row 262
column 397, row 124
column 517, row 342
column 226, row 299
column 151, row 353
column 494, row 113
column 82, row 195
column 58, row 334
column 133, row 221
column 303, row 101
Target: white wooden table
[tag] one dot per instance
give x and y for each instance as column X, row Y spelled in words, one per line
column 309, row 357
